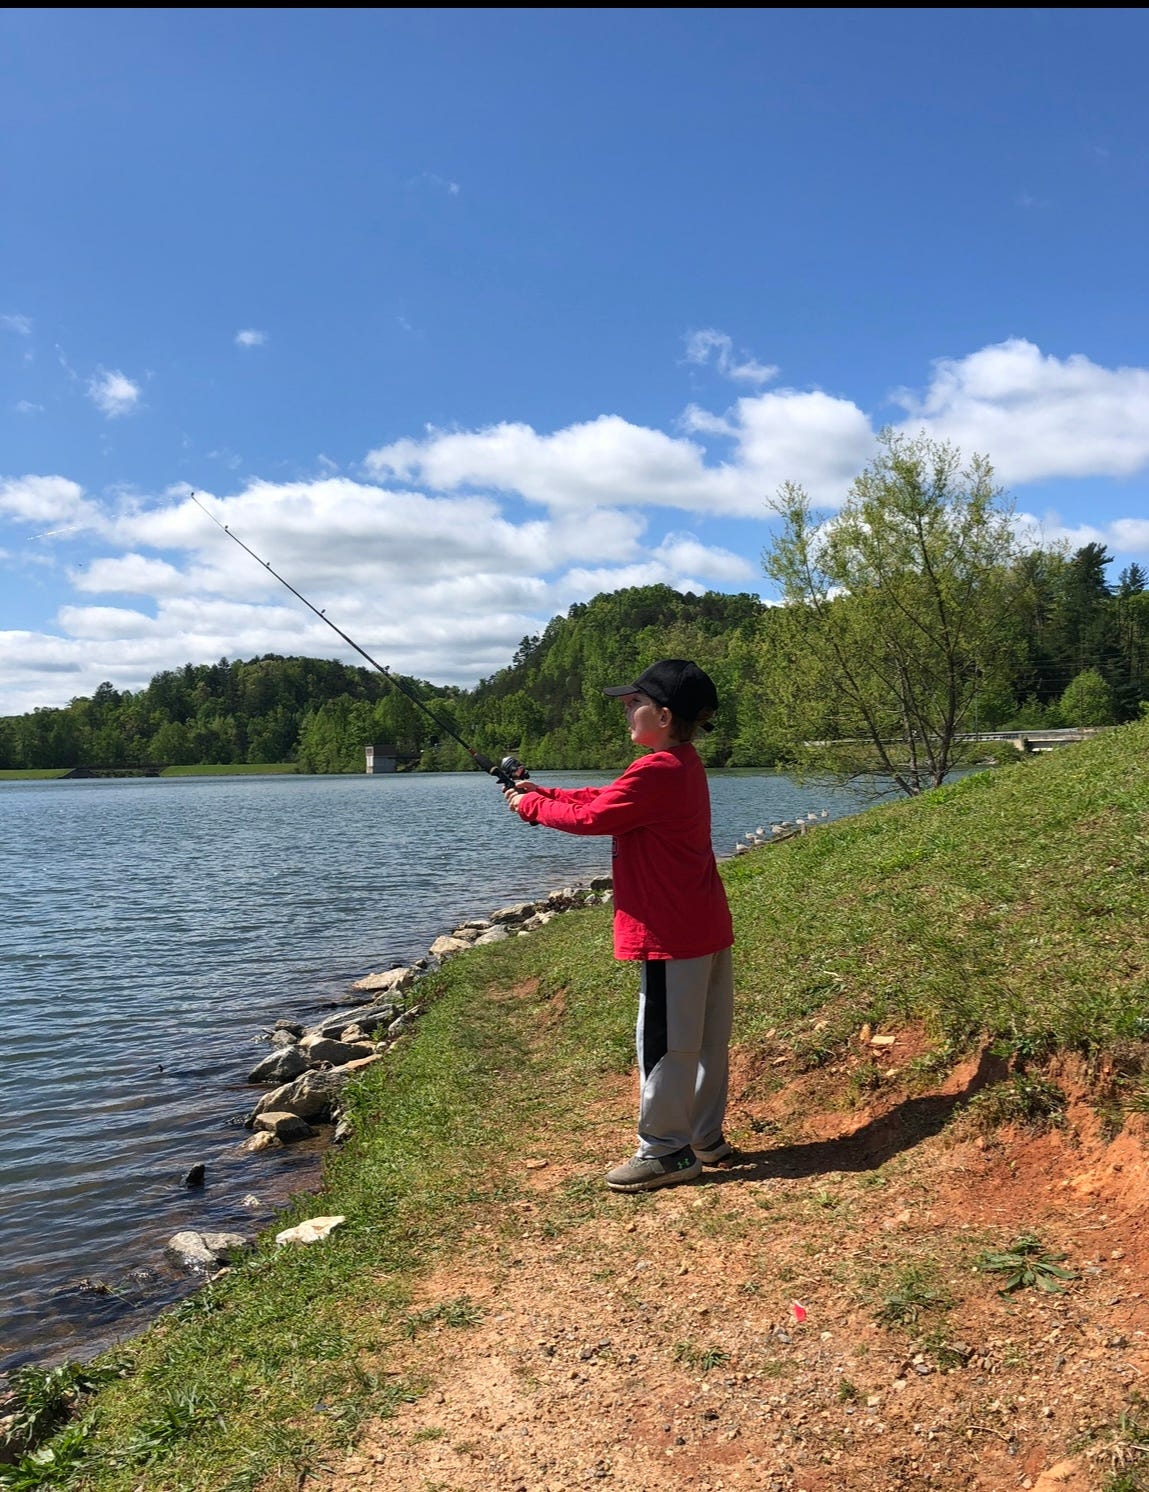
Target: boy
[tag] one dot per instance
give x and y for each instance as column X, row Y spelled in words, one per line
column 670, row 914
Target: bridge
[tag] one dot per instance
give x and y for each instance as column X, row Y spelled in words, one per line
column 1037, row 740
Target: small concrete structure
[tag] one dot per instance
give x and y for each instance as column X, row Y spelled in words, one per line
column 386, row 759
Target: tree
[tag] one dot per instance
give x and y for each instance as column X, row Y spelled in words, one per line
column 896, row 614
column 1088, row 700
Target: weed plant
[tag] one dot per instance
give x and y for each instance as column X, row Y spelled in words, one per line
column 1027, row 1263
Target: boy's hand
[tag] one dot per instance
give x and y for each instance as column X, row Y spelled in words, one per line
column 513, row 794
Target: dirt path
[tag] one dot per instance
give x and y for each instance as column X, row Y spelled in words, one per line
column 808, row 1319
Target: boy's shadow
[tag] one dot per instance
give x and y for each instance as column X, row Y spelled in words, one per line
column 867, row 1148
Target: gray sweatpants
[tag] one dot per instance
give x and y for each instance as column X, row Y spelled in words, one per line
column 685, row 1016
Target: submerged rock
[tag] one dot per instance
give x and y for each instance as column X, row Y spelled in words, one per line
column 203, row 1251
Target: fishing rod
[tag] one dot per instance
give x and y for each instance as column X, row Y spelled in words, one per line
column 508, row 772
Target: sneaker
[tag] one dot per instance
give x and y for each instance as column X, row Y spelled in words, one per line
column 717, row 1154
column 645, row 1172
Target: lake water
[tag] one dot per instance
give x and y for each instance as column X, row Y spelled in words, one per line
column 153, row 928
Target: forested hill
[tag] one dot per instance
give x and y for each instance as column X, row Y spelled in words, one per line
column 1082, row 657
column 546, row 706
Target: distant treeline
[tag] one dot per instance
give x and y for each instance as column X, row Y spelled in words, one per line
column 1083, row 658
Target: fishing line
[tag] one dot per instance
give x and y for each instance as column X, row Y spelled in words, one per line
column 509, row 771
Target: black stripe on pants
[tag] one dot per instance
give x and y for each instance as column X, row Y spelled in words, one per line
column 654, row 1037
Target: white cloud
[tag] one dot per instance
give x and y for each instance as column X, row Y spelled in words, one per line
column 785, row 434
column 21, row 325
column 683, row 553
column 710, row 346
column 1126, row 536
column 1037, row 416
column 250, row 337
column 47, row 500
column 25, row 406
column 113, row 393
column 129, row 574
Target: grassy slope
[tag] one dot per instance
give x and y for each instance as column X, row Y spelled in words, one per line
column 1013, row 902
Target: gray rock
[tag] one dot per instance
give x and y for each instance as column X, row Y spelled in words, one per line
column 602, row 883
column 403, row 1021
column 372, row 1019
column 310, row 1096
column 321, row 1049
column 285, row 1038
column 283, row 1126
column 279, row 1066
column 391, row 980
column 495, row 935
column 205, row 1251
column 261, row 1141
column 518, row 913
column 445, row 946
column 293, row 1028
column 539, row 919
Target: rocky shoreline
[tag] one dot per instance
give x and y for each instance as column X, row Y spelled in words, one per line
column 308, row 1067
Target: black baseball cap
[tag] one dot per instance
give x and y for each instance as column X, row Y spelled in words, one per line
column 678, row 685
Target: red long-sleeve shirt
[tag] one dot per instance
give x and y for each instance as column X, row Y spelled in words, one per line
column 669, row 901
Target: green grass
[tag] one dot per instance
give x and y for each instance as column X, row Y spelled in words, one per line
column 1012, row 904
column 242, row 769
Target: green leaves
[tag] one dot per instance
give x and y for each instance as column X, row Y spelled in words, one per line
column 898, row 613
column 1027, row 1264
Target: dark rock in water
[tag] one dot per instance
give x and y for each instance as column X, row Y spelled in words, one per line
column 293, row 1028
column 85, row 1287
column 195, row 1177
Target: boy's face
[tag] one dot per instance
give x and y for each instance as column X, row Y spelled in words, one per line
column 650, row 724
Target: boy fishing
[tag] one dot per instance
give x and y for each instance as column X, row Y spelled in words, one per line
column 670, row 916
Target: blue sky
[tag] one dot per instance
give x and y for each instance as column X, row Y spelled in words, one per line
column 461, row 316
